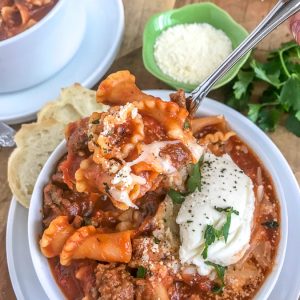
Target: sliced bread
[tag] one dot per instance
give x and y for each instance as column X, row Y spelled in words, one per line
column 36, row 141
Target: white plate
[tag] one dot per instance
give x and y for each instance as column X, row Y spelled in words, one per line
column 288, row 284
column 104, row 31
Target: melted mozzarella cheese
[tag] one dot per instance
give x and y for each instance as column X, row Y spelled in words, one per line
column 196, row 149
column 126, row 179
column 150, row 155
column 122, row 196
column 224, row 184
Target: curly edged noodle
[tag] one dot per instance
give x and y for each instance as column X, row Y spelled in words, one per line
column 199, row 124
column 119, row 88
column 217, row 137
column 61, row 238
column 105, row 146
column 55, row 236
column 119, row 132
column 220, row 136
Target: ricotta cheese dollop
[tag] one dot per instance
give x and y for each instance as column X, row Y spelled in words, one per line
column 224, row 185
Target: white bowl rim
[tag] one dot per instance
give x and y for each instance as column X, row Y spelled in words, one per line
column 271, row 279
column 25, row 33
column 88, row 81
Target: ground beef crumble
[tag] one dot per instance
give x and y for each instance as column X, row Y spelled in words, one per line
column 114, row 282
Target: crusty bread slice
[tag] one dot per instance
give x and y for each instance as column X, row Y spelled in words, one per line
column 82, row 99
column 59, row 112
column 36, row 141
column 74, row 103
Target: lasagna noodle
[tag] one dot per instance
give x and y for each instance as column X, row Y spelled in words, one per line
column 119, row 88
column 61, row 238
column 55, row 236
column 200, row 123
column 217, row 137
column 88, row 242
column 112, row 142
column 222, row 135
column 168, row 114
column 16, row 12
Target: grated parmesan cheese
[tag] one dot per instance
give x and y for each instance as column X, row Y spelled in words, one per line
column 189, row 53
column 119, row 117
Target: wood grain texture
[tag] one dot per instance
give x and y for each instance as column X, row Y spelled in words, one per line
column 137, row 12
column 246, row 12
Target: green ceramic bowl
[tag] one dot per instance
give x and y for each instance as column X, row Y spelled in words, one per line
column 195, row 13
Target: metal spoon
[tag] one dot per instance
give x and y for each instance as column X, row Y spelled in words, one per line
column 281, row 11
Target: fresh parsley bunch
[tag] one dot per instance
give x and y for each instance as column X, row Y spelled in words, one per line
column 279, row 78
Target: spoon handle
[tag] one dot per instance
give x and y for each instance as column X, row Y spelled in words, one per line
column 280, row 12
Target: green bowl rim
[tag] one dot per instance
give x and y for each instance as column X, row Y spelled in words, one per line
column 167, row 79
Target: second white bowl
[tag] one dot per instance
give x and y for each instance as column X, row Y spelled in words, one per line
column 42, row 50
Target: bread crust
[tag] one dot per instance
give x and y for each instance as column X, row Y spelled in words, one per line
column 36, row 141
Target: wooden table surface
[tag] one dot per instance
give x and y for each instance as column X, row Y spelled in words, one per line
column 246, row 12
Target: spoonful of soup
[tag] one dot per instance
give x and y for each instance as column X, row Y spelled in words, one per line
column 281, row 11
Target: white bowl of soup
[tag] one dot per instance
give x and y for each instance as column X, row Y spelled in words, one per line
column 37, row 39
column 115, row 209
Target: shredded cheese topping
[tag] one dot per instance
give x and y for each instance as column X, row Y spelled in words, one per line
column 189, row 53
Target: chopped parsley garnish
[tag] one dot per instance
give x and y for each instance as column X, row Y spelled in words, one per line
column 229, row 211
column 226, row 209
column 186, row 125
column 105, row 150
column 141, row 272
column 87, row 221
column 226, row 226
column 271, row 224
column 193, row 182
column 220, row 270
column 156, row 240
column 280, row 97
column 176, row 197
column 217, row 289
column 211, row 233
